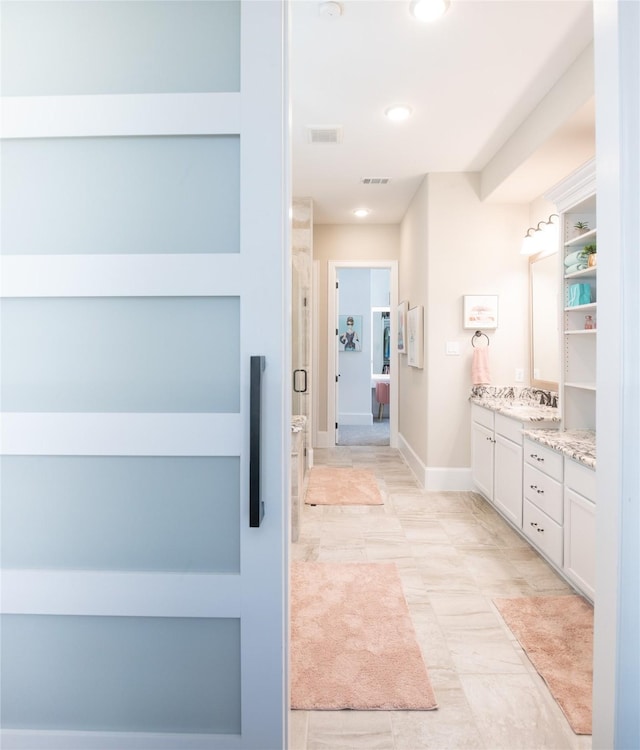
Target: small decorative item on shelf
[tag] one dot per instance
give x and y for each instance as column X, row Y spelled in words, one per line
column 590, row 253
column 581, row 227
column 589, row 325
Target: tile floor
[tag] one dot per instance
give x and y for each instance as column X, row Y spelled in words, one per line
column 454, row 553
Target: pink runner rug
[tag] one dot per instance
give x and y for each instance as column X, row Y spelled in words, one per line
column 353, row 644
column 556, row 633
column 340, row 485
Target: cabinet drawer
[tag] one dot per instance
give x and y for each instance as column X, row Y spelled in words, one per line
column 509, row 428
column 543, row 491
column 543, row 532
column 580, row 478
column 482, row 416
column 543, row 458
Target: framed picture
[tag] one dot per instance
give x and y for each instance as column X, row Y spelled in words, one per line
column 403, row 308
column 480, row 311
column 350, row 333
column 415, row 337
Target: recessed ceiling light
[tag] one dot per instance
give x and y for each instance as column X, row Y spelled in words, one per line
column 398, row 112
column 330, row 9
column 429, row 10
column 361, row 212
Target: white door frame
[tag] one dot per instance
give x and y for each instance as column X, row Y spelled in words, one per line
column 332, row 277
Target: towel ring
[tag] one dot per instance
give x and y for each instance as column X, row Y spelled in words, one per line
column 477, row 335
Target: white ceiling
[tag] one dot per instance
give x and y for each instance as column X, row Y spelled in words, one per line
column 471, row 78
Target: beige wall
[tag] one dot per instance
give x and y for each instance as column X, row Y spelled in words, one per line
column 452, row 244
column 344, row 242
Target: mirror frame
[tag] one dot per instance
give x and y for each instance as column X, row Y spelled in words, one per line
column 548, row 385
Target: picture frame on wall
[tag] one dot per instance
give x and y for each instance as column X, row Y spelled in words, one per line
column 403, row 308
column 480, row 311
column 350, row 333
column 415, row 337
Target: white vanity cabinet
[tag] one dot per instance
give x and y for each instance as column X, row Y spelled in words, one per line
column 507, row 473
column 496, row 460
column 580, row 526
column 543, row 500
column 482, row 449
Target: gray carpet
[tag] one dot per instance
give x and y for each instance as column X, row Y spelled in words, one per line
column 375, row 434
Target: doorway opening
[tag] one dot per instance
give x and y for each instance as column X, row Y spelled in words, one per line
column 362, row 359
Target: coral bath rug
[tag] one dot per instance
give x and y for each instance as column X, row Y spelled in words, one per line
column 556, row 633
column 331, row 485
column 353, row 644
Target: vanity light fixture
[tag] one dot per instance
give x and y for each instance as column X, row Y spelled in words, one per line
column 398, row 112
column 541, row 238
column 361, row 213
column 428, row 10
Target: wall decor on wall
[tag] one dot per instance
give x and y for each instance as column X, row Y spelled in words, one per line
column 415, row 336
column 480, row 311
column 403, row 308
column 350, row 333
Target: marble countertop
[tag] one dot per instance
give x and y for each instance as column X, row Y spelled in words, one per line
column 522, row 404
column 298, row 423
column 580, row 445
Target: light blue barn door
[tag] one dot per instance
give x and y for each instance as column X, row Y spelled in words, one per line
column 144, row 259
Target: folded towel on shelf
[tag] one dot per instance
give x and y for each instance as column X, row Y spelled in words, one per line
column 575, row 257
column 576, row 267
column 480, row 374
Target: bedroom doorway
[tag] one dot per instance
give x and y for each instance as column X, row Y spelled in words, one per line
column 362, row 356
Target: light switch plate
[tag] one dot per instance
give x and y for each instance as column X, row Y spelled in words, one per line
column 453, row 348
column 519, row 375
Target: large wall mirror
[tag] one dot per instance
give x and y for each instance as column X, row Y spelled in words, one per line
column 544, row 277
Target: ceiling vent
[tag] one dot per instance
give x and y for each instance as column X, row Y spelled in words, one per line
column 375, row 180
column 324, row 133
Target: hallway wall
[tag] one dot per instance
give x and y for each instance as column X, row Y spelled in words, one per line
column 452, row 244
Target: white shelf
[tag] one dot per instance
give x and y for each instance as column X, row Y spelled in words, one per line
column 580, row 331
column 581, row 386
column 581, row 238
column 583, row 308
column 585, row 273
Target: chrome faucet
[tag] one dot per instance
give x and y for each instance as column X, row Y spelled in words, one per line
column 546, row 399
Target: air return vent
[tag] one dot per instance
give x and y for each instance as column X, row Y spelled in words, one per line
column 324, row 133
column 375, row 180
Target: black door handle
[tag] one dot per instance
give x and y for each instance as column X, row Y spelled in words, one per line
column 256, row 506
column 304, row 387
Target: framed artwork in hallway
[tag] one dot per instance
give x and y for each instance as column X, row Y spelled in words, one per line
column 403, row 308
column 415, row 337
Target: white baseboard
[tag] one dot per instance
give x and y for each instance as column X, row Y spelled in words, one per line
column 447, row 479
column 433, row 478
column 325, row 439
column 357, row 418
column 414, row 463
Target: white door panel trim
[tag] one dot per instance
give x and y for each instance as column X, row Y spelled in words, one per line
column 139, row 275
column 120, row 594
column 52, row 740
column 120, row 115
column 120, row 434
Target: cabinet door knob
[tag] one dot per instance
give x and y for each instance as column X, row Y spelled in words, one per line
column 533, row 524
column 540, row 530
column 533, row 486
column 540, row 492
column 540, row 459
column 533, row 455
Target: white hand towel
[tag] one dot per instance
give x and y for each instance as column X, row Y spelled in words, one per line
column 480, row 374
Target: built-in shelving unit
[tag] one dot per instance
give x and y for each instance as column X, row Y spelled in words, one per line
column 575, row 199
